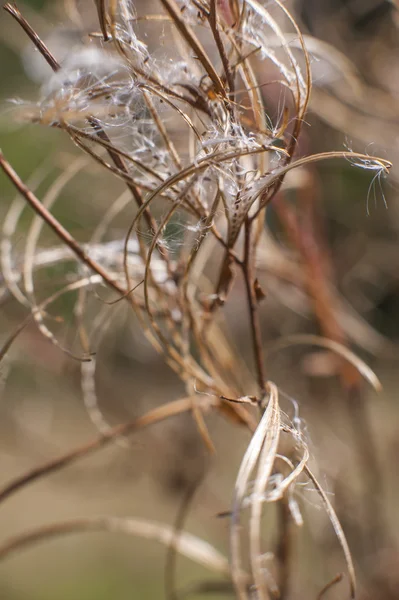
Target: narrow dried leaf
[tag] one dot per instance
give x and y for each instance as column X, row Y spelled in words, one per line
column 266, row 462
column 262, row 447
column 335, row 347
column 338, row 531
column 187, row 544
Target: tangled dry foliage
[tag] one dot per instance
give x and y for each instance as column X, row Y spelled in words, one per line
column 189, row 129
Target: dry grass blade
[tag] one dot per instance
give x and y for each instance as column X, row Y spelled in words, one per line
column 335, row 347
column 262, row 448
column 372, row 163
column 102, row 17
column 329, row 585
column 265, row 466
column 202, row 428
column 338, row 530
column 287, row 482
column 186, row 544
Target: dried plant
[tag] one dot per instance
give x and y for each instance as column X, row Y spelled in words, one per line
column 202, row 134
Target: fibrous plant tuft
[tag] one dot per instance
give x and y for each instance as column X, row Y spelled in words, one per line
column 198, row 110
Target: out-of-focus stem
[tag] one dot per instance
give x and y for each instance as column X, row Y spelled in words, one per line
column 304, row 232
column 284, row 547
column 249, row 280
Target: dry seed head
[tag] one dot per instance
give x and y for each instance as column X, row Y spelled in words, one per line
column 190, row 128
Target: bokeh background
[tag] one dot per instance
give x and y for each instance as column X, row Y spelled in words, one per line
column 41, row 407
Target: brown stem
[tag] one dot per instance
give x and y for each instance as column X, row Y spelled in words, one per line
column 56, row 226
column 253, row 307
column 157, row 414
column 219, row 43
column 339, row 577
column 171, row 554
column 31, row 33
column 284, row 547
column 102, row 18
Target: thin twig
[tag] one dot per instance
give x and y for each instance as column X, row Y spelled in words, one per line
column 213, row 22
column 31, row 33
column 284, row 547
column 253, row 309
column 170, row 561
column 339, row 577
column 58, row 229
column 157, row 414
